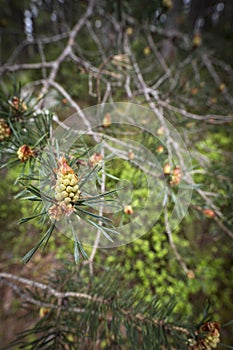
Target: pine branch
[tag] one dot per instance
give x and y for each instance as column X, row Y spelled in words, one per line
column 106, row 308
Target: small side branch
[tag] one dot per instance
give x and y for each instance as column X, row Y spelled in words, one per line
column 172, row 243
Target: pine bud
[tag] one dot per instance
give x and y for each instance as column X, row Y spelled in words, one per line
column 146, row 50
column 221, row 87
column 167, row 169
column 5, row 131
column 190, row 274
column 95, row 159
column 194, row 91
column 209, row 213
column 121, row 59
column 131, row 155
column 168, row 4
column 160, row 131
column 55, row 212
column 159, row 149
column 107, row 120
column 129, row 30
column 176, row 176
column 128, row 210
column 24, row 153
column 213, row 100
column 18, row 105
column 197, row 40
column 44, row 311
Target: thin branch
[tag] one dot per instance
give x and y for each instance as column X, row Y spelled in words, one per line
column 211, row 118
column 27, row 66
column 67, row 49
column 216, row 78
column 43, row 59
column 172, row 243
column 101, row 209
column 49, row 289
column 158, row 55
column 96, row 40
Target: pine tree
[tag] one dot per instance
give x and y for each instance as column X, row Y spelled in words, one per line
column 70, row 170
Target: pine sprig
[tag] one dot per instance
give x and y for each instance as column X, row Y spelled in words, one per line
column 105, row 310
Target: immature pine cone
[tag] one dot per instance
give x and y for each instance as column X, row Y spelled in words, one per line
column 210, row 338
column 107, row 120
column 167, row 169
column 56, row 212
column 18, row 105
column 95, row 159
column 66, row 189
column 5, row 131
column 128, row 210
column 24, row 153
column 176, row 176
column 213, row 334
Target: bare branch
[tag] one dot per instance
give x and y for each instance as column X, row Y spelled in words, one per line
column 5, row 277
column 172, row 244
column 49, row 289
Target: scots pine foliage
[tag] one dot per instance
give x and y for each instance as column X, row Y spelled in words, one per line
column 77, row 313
